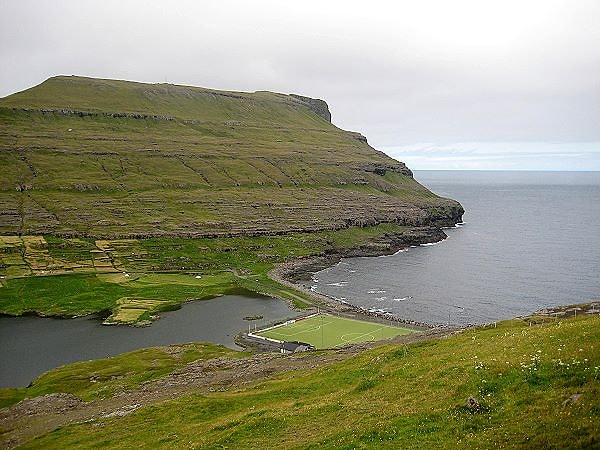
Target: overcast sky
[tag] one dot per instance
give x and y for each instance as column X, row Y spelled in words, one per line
column 438, row 84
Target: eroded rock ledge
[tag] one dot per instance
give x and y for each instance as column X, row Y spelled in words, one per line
column 300, row 270
column 316, row 105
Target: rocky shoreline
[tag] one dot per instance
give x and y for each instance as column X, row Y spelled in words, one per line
column 298, row 272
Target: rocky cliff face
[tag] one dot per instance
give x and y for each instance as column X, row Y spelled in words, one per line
column 316, row 105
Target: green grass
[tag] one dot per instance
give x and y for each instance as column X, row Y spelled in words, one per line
column 393, row 396
column 101, row 378
column 326, row 331
column 190, row 181
column 82, row 276
column 80, row 294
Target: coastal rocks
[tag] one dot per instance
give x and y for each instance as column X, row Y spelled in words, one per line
column 445, row 215
column 298, row 273
column 302, row 269
column 592, row 307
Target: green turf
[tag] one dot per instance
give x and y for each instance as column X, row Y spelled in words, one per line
column 326, row 331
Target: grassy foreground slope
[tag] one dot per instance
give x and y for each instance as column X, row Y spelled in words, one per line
column 537, row 386
column 106, row 158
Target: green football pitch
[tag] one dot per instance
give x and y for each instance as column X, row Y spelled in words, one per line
column 324, row 331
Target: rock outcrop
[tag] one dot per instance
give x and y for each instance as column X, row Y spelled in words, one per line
column 316, row 105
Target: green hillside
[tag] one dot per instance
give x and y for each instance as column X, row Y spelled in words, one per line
column 105, row 158
column 535, row 384
column 214, row 188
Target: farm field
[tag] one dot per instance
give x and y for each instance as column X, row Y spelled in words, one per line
column 326, row 331
column 70, row 277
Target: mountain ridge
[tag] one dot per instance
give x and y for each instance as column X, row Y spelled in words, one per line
column 76, row 90
column 111, row 158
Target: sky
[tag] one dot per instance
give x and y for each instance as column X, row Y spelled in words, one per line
column 438, row 84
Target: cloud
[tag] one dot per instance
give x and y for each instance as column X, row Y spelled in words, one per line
column 499, row 156
column 401, row 72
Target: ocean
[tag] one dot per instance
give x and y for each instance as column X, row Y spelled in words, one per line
column 529, row 240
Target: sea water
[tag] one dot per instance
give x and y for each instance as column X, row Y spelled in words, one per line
column 529, row 240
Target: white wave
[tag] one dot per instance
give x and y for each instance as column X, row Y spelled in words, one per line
column 381, row 299
column 400, row 299
column 338, row 284
column 376, row 291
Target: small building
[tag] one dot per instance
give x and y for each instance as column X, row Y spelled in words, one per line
column 295, row 347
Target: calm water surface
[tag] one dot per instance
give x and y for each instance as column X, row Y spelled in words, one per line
column 530, row 239
column 33, row 345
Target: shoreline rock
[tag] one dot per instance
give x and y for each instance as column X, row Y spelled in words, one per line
column 296, row 272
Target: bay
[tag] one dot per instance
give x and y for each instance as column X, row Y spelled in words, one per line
column 529, row 240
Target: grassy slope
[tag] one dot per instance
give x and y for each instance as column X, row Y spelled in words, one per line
column 87, row 158
column 390, row 397
column 102, row 378
column 227, row 163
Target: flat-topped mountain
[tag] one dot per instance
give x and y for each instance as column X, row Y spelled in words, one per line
column 106, row 158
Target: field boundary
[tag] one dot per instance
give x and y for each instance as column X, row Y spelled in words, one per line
column 253, row 334
column 347, row 336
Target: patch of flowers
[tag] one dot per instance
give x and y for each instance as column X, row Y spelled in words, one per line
column 533, row 364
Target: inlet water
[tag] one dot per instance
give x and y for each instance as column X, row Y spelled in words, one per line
column 33, row 345
column 530, row 240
